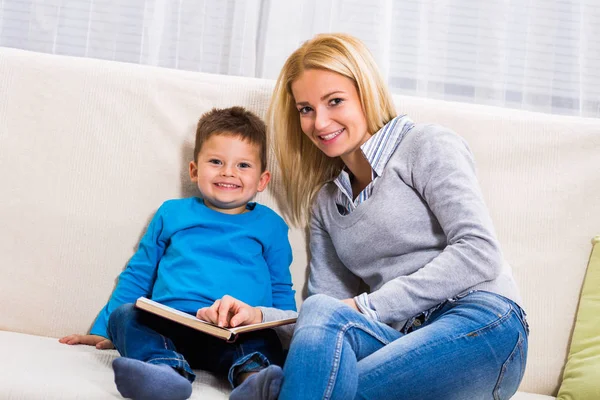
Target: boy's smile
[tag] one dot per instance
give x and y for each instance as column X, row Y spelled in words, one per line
column 228, row 173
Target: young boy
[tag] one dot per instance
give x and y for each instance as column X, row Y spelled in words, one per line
column 194, row 252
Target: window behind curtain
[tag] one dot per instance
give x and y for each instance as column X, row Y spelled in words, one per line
column 541, row 55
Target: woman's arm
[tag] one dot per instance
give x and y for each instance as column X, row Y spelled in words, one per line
column 327, row 274
column 441, row 169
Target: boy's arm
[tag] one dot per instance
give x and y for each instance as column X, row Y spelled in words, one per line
column 138, row 277
column 278, row 255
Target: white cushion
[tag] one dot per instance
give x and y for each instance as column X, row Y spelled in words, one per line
column 55, row 371
column 35, row 367
column 531, row 396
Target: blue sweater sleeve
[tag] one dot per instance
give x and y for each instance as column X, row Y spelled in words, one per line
column 138, row 278
column 278, row 254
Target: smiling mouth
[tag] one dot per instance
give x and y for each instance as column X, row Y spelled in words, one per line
column 331, row 135
column 227, row 185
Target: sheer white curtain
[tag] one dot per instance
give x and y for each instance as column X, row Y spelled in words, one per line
column 541, row 55
column 210, row 36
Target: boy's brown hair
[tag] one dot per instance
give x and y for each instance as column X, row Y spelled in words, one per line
column 235, row 121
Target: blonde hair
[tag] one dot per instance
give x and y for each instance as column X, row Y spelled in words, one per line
column 305, row 168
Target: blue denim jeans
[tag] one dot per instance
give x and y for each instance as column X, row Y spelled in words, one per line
column 146, row 337
column 471, row 347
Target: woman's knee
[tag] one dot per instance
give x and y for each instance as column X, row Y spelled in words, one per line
column 319, row 309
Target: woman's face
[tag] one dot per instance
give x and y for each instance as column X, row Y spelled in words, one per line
column 331, row 113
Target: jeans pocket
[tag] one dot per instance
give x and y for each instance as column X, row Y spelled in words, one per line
column 512, row 371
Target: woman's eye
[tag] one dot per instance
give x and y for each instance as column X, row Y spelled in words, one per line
column 335, row 102
column 305, row 110
column 215, row 161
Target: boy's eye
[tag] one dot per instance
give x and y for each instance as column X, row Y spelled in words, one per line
column 305, row 110
column 335, row 102
column 215, row 161
column 244, row 165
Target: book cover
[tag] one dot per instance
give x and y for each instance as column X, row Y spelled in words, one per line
column 228, row 334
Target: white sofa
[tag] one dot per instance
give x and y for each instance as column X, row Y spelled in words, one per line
column 89, row 149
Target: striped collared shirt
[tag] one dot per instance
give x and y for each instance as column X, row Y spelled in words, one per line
column 377, row 150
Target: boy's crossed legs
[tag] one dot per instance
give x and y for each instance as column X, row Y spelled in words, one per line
column 153, row 365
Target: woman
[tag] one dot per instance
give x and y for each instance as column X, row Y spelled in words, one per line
column 394, row 206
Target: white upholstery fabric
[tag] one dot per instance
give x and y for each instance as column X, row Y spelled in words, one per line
column 531, row 396
column 36, row 367
column 89, row 149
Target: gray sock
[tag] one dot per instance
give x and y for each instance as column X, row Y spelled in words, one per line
column 264, row 385
column 140, row 380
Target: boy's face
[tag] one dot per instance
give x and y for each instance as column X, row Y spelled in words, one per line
column 228, row 173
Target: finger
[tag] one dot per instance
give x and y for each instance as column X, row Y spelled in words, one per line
column 65, row 339
column 105, row 344
column 224, row 310
column 240, row 318
column 201, row 313
column 88, row 340
column 212, row 313
column 72, row 339
column 215, row 305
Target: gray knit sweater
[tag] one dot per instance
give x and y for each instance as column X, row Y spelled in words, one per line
column 423, row 236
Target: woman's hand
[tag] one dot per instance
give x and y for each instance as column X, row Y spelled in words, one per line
column 351, row 303
column 230, row 312
column 99, row 342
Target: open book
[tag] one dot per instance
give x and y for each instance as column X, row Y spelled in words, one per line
column 228, row 334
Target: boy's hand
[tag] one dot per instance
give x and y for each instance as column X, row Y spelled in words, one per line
column 99, row 342
column 230, row 312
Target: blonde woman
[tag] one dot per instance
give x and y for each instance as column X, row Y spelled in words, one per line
column 395, row 207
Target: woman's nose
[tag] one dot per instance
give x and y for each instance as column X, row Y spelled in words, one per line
column 321, row 119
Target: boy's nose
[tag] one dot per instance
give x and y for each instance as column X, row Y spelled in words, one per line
column 227, row 171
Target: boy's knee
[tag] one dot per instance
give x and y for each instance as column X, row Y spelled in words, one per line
column 123, row 312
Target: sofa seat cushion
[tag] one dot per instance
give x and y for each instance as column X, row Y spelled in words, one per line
column 35, row 367
column 531, row 396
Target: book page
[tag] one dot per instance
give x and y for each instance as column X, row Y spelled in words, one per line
column 171, row 310
column 205, row 326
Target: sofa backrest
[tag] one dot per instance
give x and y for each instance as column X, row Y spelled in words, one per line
column 89, row 149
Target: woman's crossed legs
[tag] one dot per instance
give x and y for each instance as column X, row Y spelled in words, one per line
column 471, row 348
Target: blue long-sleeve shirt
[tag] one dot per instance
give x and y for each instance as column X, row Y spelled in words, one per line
column 192, row 255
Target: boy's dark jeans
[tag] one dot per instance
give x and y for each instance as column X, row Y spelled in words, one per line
column 146, row 337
